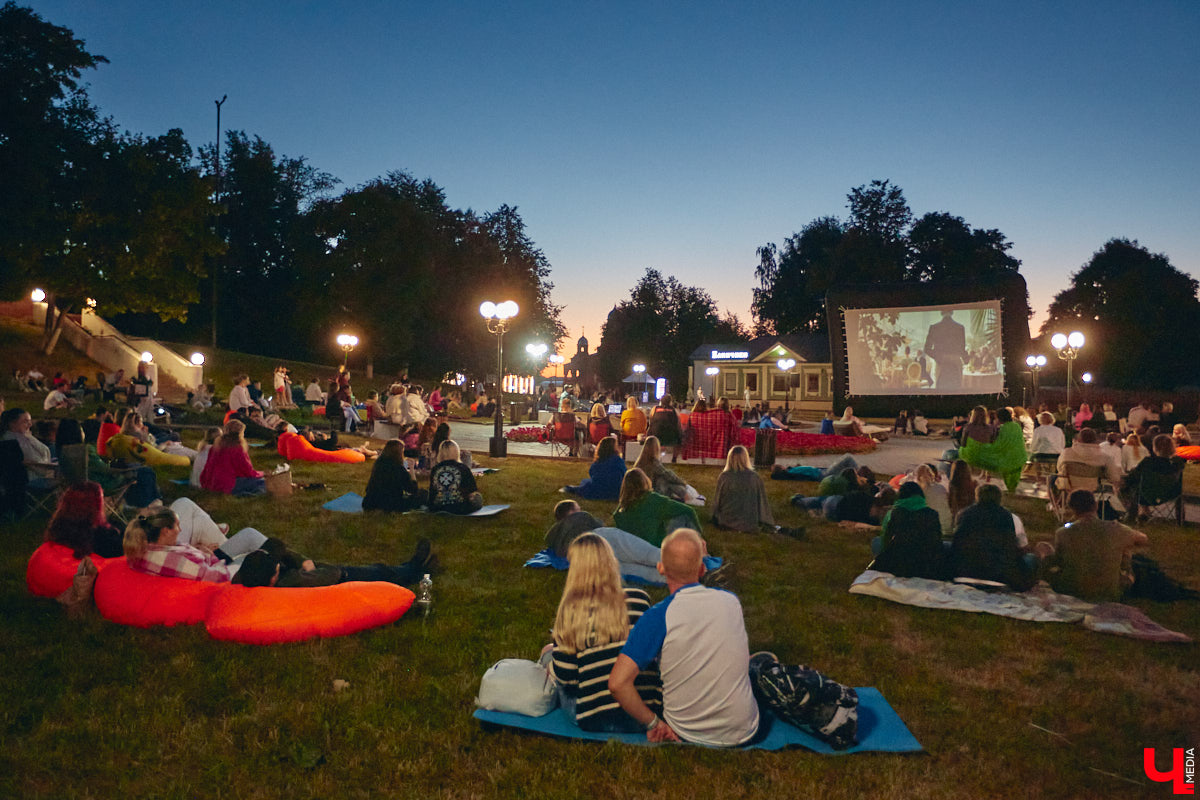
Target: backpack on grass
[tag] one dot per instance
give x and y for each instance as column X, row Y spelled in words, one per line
column 807, row 699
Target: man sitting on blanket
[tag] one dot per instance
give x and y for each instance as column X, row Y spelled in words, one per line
column 637, row 557
column 698, row 637
column 986, row 544
column 1092, row 556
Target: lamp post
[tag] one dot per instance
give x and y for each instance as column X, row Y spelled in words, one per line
column 1035, row 363
column 785, row 366
column 497, row 316
column 640, row 370
column 1068, row 347
column 712, row 373
column 347, row 341
column 557, row 361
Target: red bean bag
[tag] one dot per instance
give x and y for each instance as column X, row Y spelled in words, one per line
column 295, row 447
column 135, row 598
column 1189, row 452
column 272, row 616
column 52, row 568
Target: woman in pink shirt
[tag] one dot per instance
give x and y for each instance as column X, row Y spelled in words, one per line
column 228, row 469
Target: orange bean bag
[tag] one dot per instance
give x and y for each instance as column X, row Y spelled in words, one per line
column 135, row 598
column 272, row 616
column 295, row 447
column 107, row 431
column 52, row 568
column 1189, row 452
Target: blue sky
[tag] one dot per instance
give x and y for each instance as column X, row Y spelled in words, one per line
column 684, row 136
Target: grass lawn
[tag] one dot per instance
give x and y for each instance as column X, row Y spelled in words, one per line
column 92, row 709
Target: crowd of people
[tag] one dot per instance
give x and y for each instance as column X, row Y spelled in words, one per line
column 679, row 670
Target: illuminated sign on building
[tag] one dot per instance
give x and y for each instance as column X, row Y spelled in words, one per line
column 719, row 355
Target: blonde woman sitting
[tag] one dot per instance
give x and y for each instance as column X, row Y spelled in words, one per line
column 452, row 487
column 128, row 445
column 663, row 480
column 741, row 502
column 593, row 621
column 633, row 419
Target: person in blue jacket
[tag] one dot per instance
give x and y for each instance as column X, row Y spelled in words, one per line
column 604, row 475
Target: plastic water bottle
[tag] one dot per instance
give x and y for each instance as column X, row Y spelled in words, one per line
column 425, row 595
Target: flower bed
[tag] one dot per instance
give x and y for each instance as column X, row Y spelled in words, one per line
column 793, row 443
column 528, row 433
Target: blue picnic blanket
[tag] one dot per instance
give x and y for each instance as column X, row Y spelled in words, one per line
column 880, row 729
column 546, row 558
column 351, row 503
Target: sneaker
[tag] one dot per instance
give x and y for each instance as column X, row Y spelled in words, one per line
column 719, row 577
column 422, row 553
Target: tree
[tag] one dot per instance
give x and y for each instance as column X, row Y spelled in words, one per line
column 790, row 297
column 879, row 243
column 660, row 325
column 409, row 273
column 944, row 247
column 89, row 213
column 1137, row 312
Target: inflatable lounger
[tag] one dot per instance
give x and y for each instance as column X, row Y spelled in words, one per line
column 229, row 612
column 295, row 447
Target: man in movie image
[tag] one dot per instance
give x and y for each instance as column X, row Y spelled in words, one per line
column 946, row 344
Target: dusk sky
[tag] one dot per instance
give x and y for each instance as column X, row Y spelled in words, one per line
column 682, row 137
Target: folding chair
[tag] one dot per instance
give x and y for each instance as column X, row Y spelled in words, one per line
column 73, row 464
column 1075, row 476
column 563, row 439
column 1161, row 494
column 21, row 498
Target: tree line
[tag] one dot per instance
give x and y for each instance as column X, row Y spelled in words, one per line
column 140, row 225
column 283, row 262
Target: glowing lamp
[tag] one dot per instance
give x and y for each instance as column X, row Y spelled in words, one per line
column 37, row 296
column 197, row 359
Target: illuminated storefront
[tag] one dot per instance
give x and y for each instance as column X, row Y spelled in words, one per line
column 750, row 372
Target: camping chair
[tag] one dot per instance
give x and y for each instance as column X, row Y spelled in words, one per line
column 1075, row 476
column 563, row 440
column 20, row 498
column 73, row 464
column 1161, row 494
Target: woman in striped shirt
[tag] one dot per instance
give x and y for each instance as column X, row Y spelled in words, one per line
column 594, row 618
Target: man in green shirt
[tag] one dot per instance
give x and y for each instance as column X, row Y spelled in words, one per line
column 1092, row 556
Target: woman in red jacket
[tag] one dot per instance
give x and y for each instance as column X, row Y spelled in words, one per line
column 228, row 469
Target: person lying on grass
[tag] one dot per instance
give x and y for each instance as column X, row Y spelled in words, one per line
column 152, row 546
column 593, row 621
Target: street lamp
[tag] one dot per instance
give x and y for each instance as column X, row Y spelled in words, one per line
column 785, row 366
column 37, row 296
column 197, row 359
column 556, row 360
column 640, row 370
column 497, row 316
column 712, row 373
column 147, row 356
column 1035, row 363
column 1068, row 347
column 347, row 341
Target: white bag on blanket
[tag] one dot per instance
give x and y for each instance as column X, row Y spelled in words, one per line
column 517, row 686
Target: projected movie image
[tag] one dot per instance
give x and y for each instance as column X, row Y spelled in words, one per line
column 944, row 349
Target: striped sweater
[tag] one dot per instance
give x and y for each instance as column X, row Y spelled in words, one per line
column 584, row 676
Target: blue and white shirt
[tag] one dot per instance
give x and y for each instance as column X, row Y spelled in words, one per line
column 699, row 637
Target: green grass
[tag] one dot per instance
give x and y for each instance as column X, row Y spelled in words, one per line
column 93, row 709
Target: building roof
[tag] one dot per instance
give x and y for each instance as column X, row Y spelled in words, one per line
column 812, row 347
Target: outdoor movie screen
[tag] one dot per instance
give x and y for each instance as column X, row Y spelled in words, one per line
column 945, row 349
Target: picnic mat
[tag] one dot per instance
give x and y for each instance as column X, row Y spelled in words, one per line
column 1039, row 604
column 351, row 503
column 880, row 729
column 546, row 558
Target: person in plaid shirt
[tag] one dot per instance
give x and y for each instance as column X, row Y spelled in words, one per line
column 709, row 434
column 151, row 546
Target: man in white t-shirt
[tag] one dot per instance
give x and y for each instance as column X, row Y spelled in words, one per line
column 699, row 638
